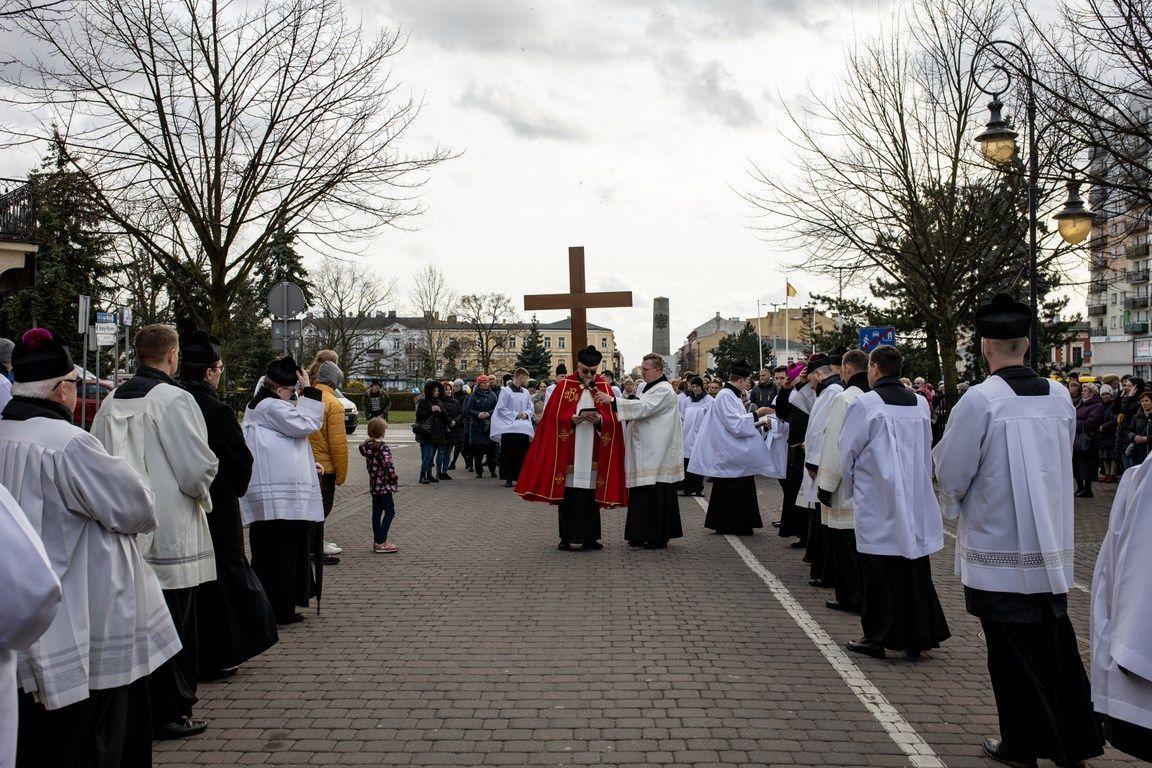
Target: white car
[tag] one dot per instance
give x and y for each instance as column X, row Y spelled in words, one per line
column 351, row 412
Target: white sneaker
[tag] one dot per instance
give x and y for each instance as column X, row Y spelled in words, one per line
column 332, row 549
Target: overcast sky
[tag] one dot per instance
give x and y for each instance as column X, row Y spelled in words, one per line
column 622, row 126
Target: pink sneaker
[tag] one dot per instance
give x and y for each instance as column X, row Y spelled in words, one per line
column 385, row 549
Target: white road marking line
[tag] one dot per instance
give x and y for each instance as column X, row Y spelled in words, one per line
column 899, row 730
column 1075, row 584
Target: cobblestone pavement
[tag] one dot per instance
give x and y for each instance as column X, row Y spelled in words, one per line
column 481, row 644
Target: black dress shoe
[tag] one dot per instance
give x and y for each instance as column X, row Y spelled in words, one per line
column 798, row 544
column 295, row 618
column 433, row 479
column 217, row 674
column 445, row 476
column 592, row 545
column 866, row 647
column 564, row 546
column 836, row 605
column 178, row 729
column 479, row 475
column 656, row 545
column 776, row 524
column 508, row 483
column 995, row 750
column 331, row 560
column 635, row 543
column 815, row 582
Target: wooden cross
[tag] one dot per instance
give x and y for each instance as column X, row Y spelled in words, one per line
column 578, row 301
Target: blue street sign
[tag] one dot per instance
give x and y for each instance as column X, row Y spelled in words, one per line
column 870, row 338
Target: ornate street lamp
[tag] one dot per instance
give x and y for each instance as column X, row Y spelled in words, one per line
column 997, row 140
column 1074, row 220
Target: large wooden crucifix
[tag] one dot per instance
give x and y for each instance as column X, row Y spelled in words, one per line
column 578, row 300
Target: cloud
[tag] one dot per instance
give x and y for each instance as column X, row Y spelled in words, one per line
column 709, row 87
column 530, row 116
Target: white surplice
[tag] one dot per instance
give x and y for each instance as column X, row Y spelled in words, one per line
column 582, row 473
column 1004, row 467
column 1122, row 605
column 728, row 443
column 29, row 601
column 693, row 414
column 886, row 469
column 509, row 405
column 284, row 483
column 88, row 509
column 839, row 515
column 776, row 438
column 814, row 437
column 655, row 451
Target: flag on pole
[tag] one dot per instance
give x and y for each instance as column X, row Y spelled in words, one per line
column 789, row 289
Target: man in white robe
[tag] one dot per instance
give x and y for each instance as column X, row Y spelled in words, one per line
column 697, row 404
column 28, row 605
column 1004, row 467
column 1122, row 619
column 824, row 371
column 835, row 505
column 653, row 460
column 157, row 427
column 84, row 688
column 730, row 450
column 886, row 469
column 512, row 426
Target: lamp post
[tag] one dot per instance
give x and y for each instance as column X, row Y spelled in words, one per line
column 998, row 146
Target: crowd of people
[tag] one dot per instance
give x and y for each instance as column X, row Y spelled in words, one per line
column 126, row 577
column 130, row 583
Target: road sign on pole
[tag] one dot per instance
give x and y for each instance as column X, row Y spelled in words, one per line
column 105, row 329
column 883, row 336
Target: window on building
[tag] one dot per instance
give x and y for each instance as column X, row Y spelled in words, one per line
column 561, row 342
column 511, row 342
column 397, row 344
column 603, row 342
column 1077, row 357
column 1113, row 299
column 1112, row 322
column 547, row 342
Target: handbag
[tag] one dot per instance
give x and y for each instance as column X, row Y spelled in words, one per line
column 1082, row 443
column 422, row 428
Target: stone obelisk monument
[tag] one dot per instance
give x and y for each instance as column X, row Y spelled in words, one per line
column 661, row 343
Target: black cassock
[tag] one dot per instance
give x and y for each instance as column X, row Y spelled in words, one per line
column 1042, row 692
column 793, row 518
column 732, row 506
column 579, row 516
column 900, row 608
column 234, row 617
column 653, row 515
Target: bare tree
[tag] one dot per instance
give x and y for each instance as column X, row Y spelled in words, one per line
column 348, row 297
column 886, row 181
column 1095, row 72
column 489, row 315
column 211, row 125
column 433, row 300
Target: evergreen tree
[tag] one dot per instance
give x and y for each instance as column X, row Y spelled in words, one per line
column 739, row 346
column 533, row 357
column 73, row 258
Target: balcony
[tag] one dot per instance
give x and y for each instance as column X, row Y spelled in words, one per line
column 1136, row 328
column 1098, row 242
column 1098, row 286
column 16, row 220
column 1137, row 275
column 1097, row 309
column 1098, row 332
column 1136, row 302
column 1139, row 251
column 1099, row 262
column 1141, row 223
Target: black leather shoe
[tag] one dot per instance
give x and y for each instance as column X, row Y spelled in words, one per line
column 836, row 605
column 995, row 750
column 217, row 674
column 479, row 475
column 295, row 618
column 564, row 546
column 798, row 544
column 591, row 546
column 866, row 647
column 815, row 582
column 508, row 483
column 331, row 560
column 656, row 545
column 181, row 728
column 445, row 476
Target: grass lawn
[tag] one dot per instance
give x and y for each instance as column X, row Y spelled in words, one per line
column 401, row 417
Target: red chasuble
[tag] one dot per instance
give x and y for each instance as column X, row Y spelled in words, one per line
column 554, row 446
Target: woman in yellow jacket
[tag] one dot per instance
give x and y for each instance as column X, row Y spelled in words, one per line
column 329, row 448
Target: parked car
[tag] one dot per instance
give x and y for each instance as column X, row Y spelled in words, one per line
column 351, row 412
column 89, row 394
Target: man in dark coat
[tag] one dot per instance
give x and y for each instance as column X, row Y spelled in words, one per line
column 234, row 618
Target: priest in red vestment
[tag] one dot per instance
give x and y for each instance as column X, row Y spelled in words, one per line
column 576, row 460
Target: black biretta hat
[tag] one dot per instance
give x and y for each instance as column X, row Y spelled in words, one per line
column 561, row 370
column 1003, row 318
column 199, row 349
column 589, row 356
column 740, row 369
column 282, row 371
column 816, row 362
column 39, row 356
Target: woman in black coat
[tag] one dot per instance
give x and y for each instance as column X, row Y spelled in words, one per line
column 235, row 621
column 432, row 425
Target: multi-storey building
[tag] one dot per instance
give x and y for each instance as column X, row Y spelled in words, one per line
column 1118, row 290
column 782, row 331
